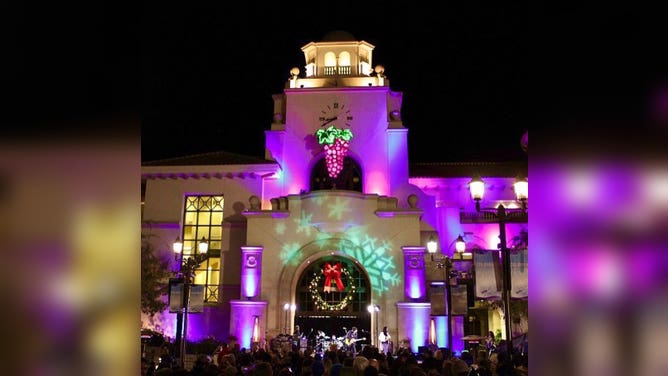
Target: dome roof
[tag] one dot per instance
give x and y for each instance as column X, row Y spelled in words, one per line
column 338, row 36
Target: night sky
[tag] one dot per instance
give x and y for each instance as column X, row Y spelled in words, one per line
column 459, row 70
column 200, row 77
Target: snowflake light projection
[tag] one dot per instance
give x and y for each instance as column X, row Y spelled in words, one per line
column 290, row 253
column 379, row 265
column 336, row 143
column 374, row 254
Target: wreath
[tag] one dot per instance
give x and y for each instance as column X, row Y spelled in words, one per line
column 321, row 304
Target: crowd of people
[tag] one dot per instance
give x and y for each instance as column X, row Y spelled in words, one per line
column 369, row 361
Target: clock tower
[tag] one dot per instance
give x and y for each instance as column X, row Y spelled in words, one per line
column 339, row 91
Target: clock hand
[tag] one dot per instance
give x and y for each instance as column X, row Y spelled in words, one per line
column 329, row 121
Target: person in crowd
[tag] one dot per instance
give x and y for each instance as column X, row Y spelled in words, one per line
column 166, row 359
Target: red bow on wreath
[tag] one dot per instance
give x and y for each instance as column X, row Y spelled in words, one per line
column 332, row 272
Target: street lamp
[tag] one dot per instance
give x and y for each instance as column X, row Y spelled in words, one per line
column 460, row 244
column 444, row 262
column 286, row 307
column 373, row 310
column 501, row 215
column 187, row 268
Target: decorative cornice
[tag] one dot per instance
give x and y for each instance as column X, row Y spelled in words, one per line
column 155, row 173
column 160, row 225
column 398, row 213
column 267, row 214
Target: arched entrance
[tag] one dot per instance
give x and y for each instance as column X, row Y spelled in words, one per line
column 329, row 306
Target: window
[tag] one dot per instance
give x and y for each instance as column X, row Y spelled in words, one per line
column 344, row 64
column 203, row 218
column 330, row 64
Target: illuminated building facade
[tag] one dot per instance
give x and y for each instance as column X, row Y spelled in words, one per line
column 332, row 220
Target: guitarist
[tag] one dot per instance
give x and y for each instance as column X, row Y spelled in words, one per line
column 351, row 339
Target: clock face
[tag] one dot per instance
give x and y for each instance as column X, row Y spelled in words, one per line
column 335, row 113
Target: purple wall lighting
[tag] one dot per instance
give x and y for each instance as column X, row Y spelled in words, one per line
column 457, row 334
column 419, row 332
column 251, row 270
column 414, row 320
column 416, row 289
column 198, row 327
column 415, row 285
column 441, row 330
column 244, row 313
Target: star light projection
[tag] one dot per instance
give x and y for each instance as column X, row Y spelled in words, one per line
column 372, row 253
column 336, row 143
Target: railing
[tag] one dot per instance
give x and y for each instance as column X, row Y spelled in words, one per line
column 512, row 216
column 341, row 70
column 330, row 71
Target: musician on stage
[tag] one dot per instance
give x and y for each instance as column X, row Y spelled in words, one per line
column 296, row 336
column 351, row 339
column 384, row 339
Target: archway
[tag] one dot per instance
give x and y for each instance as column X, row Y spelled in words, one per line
column 328, row 307
column 350, row 177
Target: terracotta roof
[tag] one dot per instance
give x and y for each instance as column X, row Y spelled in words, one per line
column 468, row 169
column 212, row 158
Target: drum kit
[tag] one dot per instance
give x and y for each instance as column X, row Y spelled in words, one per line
column 324, row 343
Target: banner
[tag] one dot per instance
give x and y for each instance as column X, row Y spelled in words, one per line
column 175, row 296
column 519, row 274
column 459, row 300
column 196, row 299
column 487, row 274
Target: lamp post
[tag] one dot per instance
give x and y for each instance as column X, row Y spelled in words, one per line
column 292, row 308
column 286, row 307
column 501, row 215
column 187, row 267
column 444, row 262
column 373, row 310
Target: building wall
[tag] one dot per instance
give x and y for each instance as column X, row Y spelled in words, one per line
column 296, row 148
column 333, row 222
column 162, row 218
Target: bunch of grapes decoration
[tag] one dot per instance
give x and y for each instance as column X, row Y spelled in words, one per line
column 336, row 143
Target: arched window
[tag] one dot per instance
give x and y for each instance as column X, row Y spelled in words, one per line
column 344, row 58
column 350, row 178
column 330, row 59
column 330, row 64
column 344, row 63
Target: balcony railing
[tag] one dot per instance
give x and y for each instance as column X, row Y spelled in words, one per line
column 512, row 216
column 341, row 70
